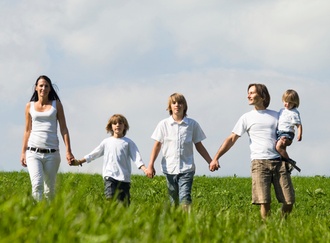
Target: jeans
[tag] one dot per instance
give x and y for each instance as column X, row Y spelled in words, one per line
column 43, row 170
column 289, row 135
column 179, row 187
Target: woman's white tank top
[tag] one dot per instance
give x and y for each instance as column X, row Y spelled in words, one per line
column 44, row 128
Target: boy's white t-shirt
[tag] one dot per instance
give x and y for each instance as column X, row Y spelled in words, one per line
column 261, row 126
column 118, row 154
column 288, row 119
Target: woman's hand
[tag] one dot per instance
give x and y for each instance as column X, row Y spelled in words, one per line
column 23, row 160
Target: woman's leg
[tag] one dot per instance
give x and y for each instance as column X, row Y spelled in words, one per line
column 51, row 165
column 35, row 168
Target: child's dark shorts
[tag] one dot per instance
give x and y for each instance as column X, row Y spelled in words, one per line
column 118, row 189
column 288, row 135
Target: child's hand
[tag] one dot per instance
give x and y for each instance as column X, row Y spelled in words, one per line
column 75, row 162
column 150, row 172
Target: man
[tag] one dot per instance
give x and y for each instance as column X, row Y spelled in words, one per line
column 266, row 168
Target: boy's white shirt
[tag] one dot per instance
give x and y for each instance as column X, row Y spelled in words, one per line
column 177, row 141
column 288, row 119
column 118, row 154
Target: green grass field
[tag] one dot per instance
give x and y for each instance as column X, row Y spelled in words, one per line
column 221, row 212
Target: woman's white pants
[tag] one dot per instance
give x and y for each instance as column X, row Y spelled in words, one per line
column 43, row 169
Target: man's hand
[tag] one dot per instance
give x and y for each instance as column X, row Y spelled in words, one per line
column 214, row 165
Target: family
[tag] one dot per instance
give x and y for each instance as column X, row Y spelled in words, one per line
column 270, row 132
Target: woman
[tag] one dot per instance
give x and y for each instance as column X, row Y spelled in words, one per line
column 40, row 150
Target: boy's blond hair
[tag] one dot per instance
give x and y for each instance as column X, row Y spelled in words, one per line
column 117, row 118
column 177, row 97
column 291, row 96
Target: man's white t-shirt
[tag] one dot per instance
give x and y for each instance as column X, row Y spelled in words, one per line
column 261, row 126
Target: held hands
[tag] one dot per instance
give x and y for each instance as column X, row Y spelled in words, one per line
column 147, row 172
column 214, row 165
column 69, row 157
column 150, row 172
column 75, row 162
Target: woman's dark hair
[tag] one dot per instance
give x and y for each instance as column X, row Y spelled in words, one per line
column 52, row 93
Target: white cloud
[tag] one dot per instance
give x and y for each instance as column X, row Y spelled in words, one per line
column 286, row 35
column 282, row 35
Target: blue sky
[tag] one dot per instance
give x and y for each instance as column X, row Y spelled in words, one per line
column 127, row 57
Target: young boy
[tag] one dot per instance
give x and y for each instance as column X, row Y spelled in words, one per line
column 118, row 152
column 176, row 136
column 289, row 118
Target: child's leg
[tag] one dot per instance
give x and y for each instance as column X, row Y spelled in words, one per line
column 110, row 186
column 281, row 145
column 124, row 195
column 185, row 185
column 172, row 188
